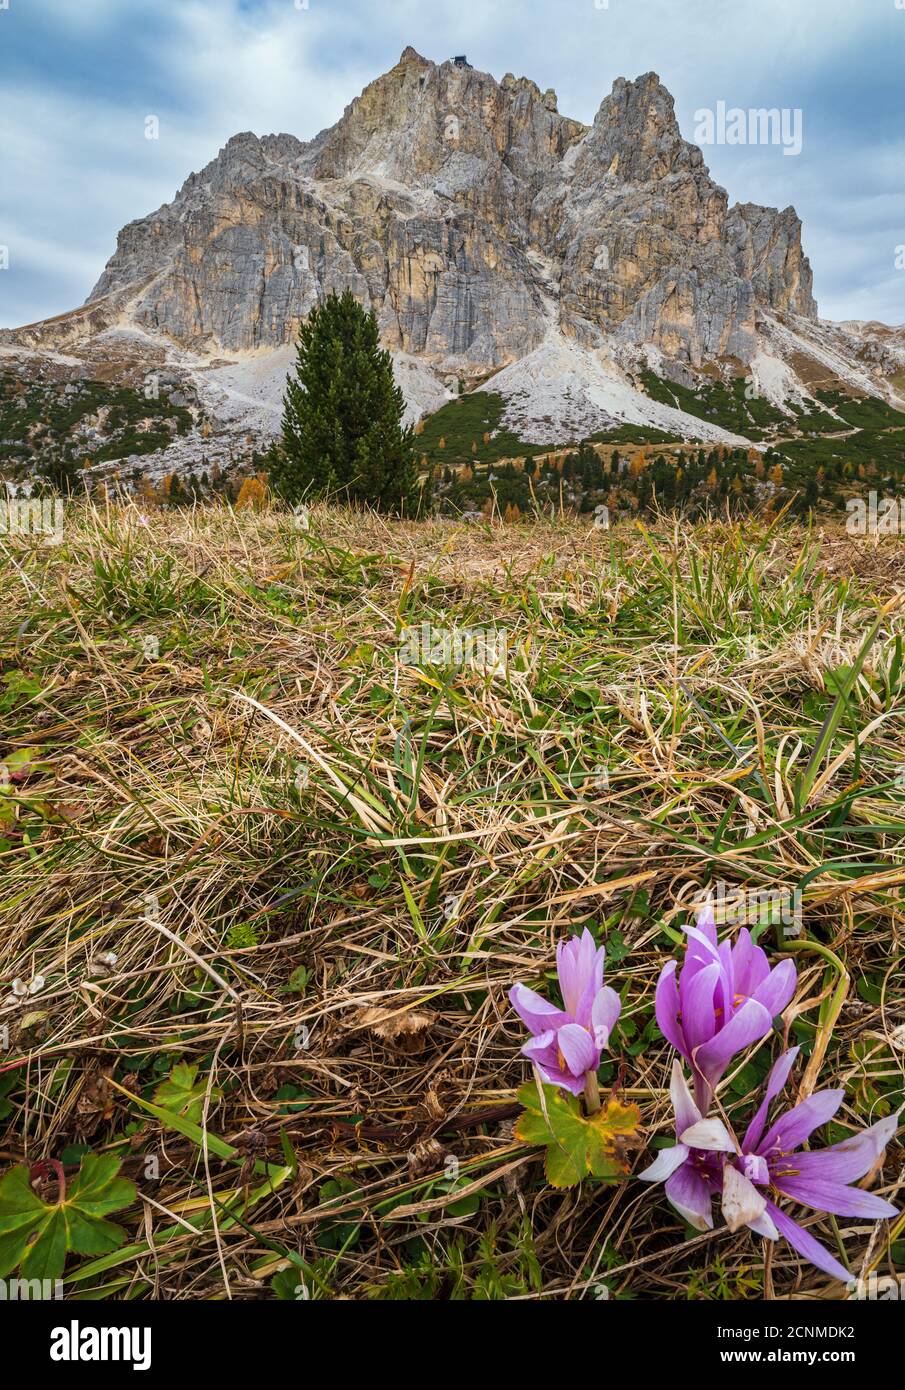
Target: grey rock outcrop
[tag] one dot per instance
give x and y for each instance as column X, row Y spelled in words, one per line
column 473, row 217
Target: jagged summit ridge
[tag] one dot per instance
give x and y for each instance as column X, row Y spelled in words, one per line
column 474, row 218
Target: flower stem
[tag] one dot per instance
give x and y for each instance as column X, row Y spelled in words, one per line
column 591, row 1092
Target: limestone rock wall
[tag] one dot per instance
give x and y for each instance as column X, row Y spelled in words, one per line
column 473, row 217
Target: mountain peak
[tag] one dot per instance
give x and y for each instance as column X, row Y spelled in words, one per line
column 410, row 56
column 475, row 219
column 636, row 127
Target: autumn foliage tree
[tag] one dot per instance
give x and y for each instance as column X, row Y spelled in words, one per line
column 252, row 495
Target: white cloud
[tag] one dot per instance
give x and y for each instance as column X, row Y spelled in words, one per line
column 56, row 256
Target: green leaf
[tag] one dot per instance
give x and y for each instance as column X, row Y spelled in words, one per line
column 46, row 1255
column 287, row 1285
column 295, row 1094
column 289, row 1152
column 98, row 1189
column 38, row 1235
column 338, row 1233
column 182, row 1094
column 22, row 1216
column 73, row 1154
column 616, row 949
column 465, row 1206
column 298, row 980
column 577, row 1146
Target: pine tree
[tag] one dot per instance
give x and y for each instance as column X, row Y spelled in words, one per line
column 342, row 417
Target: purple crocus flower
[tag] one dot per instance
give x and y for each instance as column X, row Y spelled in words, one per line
column 708, row 1161
column 725, row 998
column 567, row 1043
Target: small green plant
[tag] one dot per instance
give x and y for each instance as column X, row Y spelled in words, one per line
column 576, row 1146
column 36, row 1236
column 241, row 936
column 183, row 1094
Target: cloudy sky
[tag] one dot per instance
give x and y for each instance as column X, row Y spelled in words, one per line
column 80, row 78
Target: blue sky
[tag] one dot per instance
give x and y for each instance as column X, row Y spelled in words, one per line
column 80, row 77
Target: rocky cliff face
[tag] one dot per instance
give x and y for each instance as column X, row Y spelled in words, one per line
column 474, row 218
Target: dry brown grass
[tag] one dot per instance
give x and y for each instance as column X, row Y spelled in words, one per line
column 272, row 790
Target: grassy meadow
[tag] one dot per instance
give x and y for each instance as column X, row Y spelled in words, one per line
column 265, row 887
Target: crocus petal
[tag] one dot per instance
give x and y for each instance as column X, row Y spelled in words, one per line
column 567, row 971
column 597, row 963
column 777, row 989
column 748, row 1025
column 710, row 1135
column 834, row 1197
column 701, row 947
column 579, row 965
column 585, row 1005
column 535, row 1012
column 690, row 1195
column 706, row 922
column 700, row 951
column 666, row 1007
column 806, row 1245
column 665, row 1164
column 554, row 1077
column 725, row 994
column 779, row 1075
column 696, row 1003
column 604, row 1013
column 797, row 1125
column 742, row 1203
column 764, row 1225
column 852, row 1158
column 542, row 1051
column 749, row 964
column 592, row 958
column 686, row 1112
column 577, row 1047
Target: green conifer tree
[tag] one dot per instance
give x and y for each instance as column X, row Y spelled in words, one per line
column 343, row 435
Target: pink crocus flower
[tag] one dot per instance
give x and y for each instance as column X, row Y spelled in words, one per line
column 566, row 1043
column 708, row 1161
column 724, row 999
